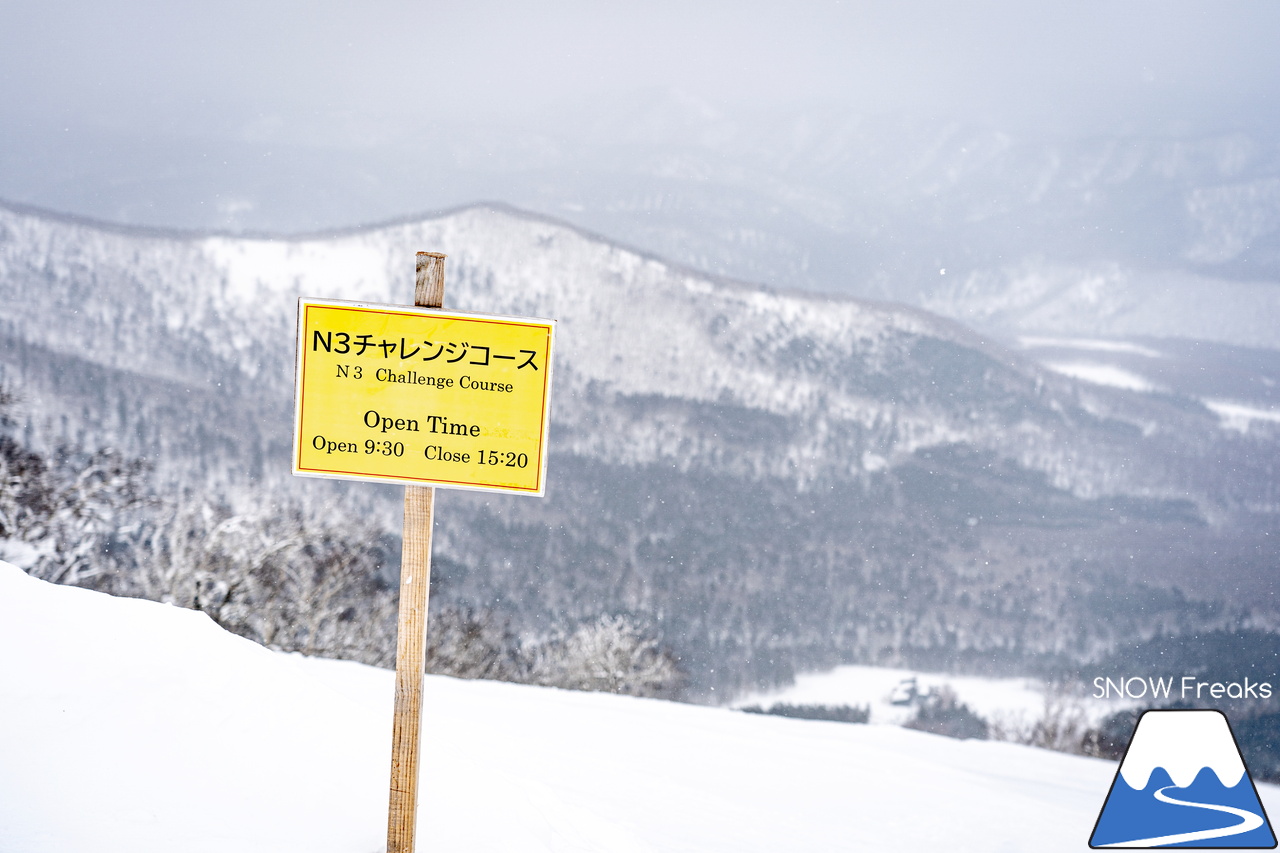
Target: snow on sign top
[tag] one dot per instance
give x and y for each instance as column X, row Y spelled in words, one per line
column 394, row 393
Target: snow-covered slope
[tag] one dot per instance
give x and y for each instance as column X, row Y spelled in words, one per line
column 136, row 727
column 128, row 726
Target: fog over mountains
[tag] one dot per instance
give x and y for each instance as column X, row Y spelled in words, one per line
column 1131, row 228
column 775, row 480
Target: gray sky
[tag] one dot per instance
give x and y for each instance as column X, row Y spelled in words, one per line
column 289, row 116
column 355, row 71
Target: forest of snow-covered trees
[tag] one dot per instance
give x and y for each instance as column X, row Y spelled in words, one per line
column 761, row 484
column 284, row 578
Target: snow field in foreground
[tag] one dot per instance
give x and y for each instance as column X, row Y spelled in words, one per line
column 133, row 726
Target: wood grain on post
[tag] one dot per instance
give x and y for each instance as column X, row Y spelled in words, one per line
column 428, row 291
column 411, row 636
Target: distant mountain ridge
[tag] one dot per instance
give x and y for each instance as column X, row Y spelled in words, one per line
column 942, row 213
column 215, row 302
column 776, row 480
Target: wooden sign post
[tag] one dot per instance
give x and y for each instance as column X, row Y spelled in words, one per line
column 423, row 397
column 411, row 634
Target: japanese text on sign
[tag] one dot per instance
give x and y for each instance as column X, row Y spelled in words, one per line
column 400, row 394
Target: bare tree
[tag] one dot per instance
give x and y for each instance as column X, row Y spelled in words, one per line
column 611, row 655
column 279, row 579
column 1062, row 724
column 468, row 643
column 70, row 511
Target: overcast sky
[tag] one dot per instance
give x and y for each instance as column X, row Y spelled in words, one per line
column 126, row 110
column 228, row 66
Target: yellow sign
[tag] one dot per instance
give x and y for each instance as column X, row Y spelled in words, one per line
column 400, row 394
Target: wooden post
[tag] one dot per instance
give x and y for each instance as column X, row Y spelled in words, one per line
column 411, row 636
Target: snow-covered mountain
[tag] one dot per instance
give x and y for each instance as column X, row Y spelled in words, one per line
column 874, row 383
column 1113, row 301
column 1135, row 229
column 777, row 480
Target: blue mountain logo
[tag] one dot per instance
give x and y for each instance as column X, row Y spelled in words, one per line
column 1183, row 783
